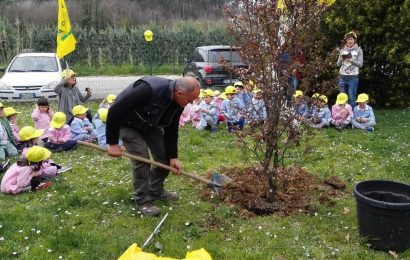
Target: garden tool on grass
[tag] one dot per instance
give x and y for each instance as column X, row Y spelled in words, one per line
column 141, row 159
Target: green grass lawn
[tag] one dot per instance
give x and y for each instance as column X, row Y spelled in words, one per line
column 89, row 214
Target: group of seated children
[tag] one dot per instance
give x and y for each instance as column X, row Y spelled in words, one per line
column 237, row 105
column 50, row 131
column 240, row 105
column 317, row 113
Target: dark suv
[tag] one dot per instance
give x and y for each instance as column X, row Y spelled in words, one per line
column 205, row 65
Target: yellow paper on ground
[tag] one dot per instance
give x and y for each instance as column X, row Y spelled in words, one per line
column 135, row 253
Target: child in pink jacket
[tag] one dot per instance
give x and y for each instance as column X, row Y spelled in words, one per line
column 59, row 134
column 342, row 113
column 42, row 115
column 24, row 174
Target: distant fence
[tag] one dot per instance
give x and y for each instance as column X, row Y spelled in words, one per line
column 112, row 46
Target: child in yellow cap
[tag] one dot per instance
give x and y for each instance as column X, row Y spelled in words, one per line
column 11, row 115
column 100, row 120
column 321, row 115
column 24, row 175
column 299, row 104
column 363, row 116
column 233, row 110
column 108, row 101
column 59, row 134
column 342, row 112
column 7, row 140
column 81, row 128
column 30, row 137
column 209, row 113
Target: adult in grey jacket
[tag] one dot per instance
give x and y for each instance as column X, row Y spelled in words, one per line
column 68, row 94
column 350, row 60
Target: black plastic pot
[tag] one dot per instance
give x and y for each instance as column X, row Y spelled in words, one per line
column 383, row 212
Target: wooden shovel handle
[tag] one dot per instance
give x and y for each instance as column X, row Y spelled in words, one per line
column 141, row 159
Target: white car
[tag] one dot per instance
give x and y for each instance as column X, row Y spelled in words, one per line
column 30, row 76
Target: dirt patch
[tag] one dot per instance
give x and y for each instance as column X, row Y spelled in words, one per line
column 297, row 191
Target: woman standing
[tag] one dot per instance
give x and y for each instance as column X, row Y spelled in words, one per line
column 350, row 60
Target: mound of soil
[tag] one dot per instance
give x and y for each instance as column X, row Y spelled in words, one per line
column 296, row 191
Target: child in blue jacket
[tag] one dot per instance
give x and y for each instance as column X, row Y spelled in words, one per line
column 363, row 116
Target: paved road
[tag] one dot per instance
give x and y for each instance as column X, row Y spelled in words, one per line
column 104, row 85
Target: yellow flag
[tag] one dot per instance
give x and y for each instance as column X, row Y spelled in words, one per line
column 65, row 38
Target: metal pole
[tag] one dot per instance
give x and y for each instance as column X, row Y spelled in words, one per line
column 155, row 231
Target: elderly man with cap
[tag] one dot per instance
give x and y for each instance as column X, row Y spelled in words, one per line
column 145, row 116
column 69, row 95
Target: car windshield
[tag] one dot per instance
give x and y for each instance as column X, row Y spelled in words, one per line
column 34, row 64
column 216, row 56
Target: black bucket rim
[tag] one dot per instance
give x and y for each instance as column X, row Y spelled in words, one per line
column 377, row 203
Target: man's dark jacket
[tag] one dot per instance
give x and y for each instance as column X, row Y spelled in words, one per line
column 145, row 104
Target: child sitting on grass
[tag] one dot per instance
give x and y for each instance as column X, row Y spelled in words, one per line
column 42, row 115
column 341, row 112
column 232, row 110
column 299, row 104
column 257, row 110
column 11, row 115
column 363, row 116
column 321, row 116
column 24, row 174
column 59, row 134
column 81, row 128
column 30, row 137
column 7, row 140
column 107, row 101
column 208, row 110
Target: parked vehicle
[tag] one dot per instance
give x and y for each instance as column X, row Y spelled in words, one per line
column 30, row 76
column 205, row 65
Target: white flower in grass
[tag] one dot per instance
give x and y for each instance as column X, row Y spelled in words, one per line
column 1, row 238
column 60, row 257
column 49, row 250
column 105, row 202
column 38, row 231
column 1, row 226
column 14, row 253
column 25, row 238
column 259, row 227
column 20, row 231
column 188, row 247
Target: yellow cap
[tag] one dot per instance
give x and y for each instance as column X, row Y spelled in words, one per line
column 323, row 98
column 148, row 35
column 103, row 112
column 111, row 98
column 1, row 105
column 208, row 93
column 58, row 120
column 315, row 96
column 67, row 73
column 230, row 90
column 28, row 132
column 341, row 99
column 298, row 93
column 217, row 93
column 37, row 154
column 238, row 84
column 257, row 90
column 78, row 110
column 9, row 111
column 250, row 82
column 360, row 99
column 223, row 95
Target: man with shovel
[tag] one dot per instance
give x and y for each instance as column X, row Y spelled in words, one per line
column 145, row 116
